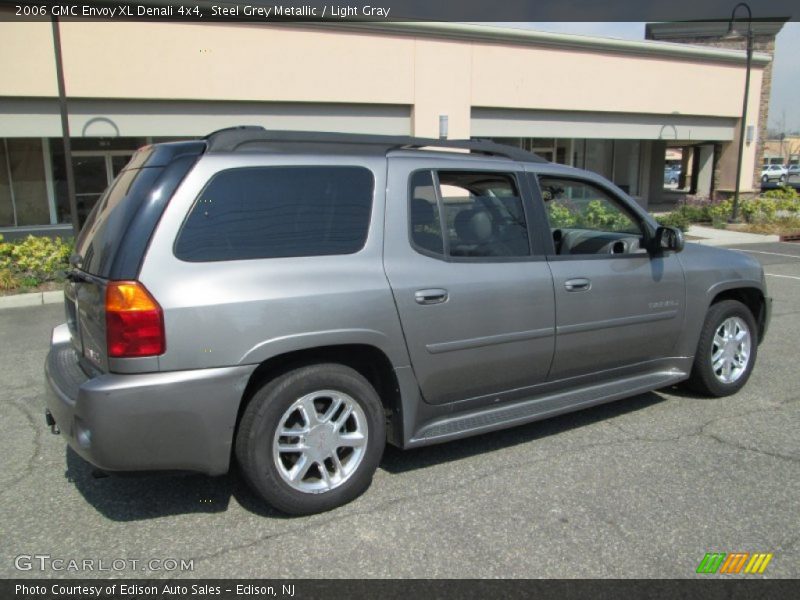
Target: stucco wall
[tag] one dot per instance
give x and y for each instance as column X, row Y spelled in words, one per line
column 296, row 64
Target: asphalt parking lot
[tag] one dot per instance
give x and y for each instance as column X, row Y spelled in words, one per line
column 639, row 488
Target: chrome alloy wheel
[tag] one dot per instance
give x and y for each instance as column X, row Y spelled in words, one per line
column 320, row 441
column 730, row 351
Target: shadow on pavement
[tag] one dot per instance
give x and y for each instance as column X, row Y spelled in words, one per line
column 133, row 497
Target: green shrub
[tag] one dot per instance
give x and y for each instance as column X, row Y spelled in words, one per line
column 33, row 261
column 784, row 192
column 594, row 215
column 561, row 216
column 676, row 218
column 720, row 211
column 758, row 210
column 695, row 213
column 8, row 281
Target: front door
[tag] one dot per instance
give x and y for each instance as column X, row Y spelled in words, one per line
column 616, row 304
column 474, row 295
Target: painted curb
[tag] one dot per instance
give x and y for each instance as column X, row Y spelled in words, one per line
column 34, row 299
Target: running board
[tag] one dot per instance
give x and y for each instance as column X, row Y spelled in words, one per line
column 541, row 407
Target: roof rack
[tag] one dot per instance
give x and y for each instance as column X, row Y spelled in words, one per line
column 251, row 137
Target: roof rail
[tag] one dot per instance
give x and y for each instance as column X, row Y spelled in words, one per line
column 251, row 137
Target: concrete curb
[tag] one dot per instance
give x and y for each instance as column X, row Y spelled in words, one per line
column 34, row 299
column 710, row 236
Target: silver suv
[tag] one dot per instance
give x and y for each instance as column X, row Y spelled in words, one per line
column 292, row 301
column 773, row 173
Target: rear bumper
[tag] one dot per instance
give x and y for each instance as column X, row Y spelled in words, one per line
column 179, row 420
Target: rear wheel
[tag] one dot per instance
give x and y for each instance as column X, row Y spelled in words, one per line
column 726, row 351
column 311, row 440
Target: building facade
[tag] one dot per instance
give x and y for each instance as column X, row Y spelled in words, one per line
column 611, row 106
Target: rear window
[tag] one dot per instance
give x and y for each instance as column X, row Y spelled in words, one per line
column 99, row 240
column 274, row 212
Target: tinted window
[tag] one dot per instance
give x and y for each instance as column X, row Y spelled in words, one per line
column 271, row 212
column 111, row 217
column 586, row 220
column 484, row 214
column 426, row 228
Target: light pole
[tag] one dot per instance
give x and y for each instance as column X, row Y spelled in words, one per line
column 733, row 34
column 62, row 103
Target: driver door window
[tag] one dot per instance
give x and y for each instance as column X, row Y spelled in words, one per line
column 586, row 220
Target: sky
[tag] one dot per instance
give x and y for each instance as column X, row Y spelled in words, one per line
column 784, row 106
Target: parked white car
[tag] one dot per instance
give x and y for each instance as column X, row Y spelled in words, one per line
column 773, row 173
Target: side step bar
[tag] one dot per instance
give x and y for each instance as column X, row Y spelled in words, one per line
column 541, row 407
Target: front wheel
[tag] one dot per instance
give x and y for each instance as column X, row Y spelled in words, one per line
column 764, row 179
column 727, row 350
column 311, row 439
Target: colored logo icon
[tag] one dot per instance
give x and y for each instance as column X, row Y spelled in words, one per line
column 734, row 563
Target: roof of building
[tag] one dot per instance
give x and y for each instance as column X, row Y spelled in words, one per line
column 708, row 29
column 472, row 32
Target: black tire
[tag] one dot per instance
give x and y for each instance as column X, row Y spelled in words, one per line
column 261, row 418
column 703, row 379
column 782, row 178
column 764, row 179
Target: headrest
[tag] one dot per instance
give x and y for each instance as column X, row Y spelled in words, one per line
column 421, row 212
column 473, row 226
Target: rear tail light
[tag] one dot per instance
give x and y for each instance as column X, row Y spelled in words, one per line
column 134, row 321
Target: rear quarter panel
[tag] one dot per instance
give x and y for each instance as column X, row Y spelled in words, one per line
column 246, row 311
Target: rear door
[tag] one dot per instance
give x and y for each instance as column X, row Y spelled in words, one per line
column 472, row 288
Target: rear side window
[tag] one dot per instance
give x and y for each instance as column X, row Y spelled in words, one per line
column 471, row 214
column 111, row 217
column 274, row 212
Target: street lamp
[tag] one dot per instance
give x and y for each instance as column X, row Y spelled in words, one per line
column 733, row 34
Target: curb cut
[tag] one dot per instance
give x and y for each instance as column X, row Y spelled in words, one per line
column 34, row 299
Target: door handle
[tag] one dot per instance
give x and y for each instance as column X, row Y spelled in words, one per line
column 433, row 296
column 578, row 285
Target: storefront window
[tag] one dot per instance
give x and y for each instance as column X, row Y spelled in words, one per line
column 23, row 190
column 95, row 162
column 6, row 205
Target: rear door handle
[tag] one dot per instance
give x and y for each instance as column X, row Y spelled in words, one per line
column 578, row 285
column 433, row 296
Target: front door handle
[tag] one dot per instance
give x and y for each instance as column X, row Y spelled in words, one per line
column 578, row 285
column 433, row 296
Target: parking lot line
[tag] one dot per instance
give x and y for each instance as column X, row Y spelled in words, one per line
column 784, row 276
column 772, row 253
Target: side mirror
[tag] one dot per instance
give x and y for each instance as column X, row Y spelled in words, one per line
column 669, row 238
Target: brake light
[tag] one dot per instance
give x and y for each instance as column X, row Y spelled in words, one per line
column 134, row 321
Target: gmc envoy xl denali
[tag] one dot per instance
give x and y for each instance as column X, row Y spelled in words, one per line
column 292, row 301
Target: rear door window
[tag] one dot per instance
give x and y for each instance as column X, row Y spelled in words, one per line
column 274, row 212
column 471, row 214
